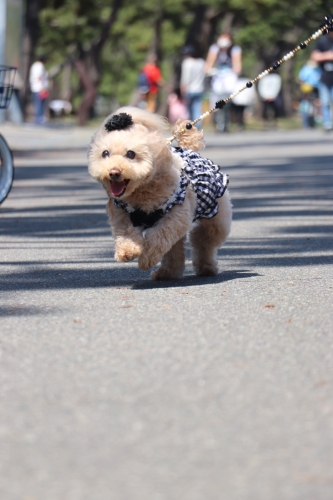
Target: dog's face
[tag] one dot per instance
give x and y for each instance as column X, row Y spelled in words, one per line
column 123, row 160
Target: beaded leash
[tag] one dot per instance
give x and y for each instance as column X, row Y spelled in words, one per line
column 326, row 26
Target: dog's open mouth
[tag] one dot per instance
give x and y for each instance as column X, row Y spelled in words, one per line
column 118, row 188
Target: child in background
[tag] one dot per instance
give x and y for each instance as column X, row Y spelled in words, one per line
column 176, row 107
column 309, row 78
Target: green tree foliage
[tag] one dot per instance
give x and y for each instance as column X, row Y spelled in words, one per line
column 73, row 29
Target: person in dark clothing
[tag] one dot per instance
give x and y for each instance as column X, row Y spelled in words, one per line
column 323, row 55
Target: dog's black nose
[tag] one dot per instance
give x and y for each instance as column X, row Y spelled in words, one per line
column 115, row 174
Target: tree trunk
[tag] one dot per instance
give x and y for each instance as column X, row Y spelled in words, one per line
column 65, row 92
column 90, row 92
column 157, row 45
column 30, row 38
column 203, row 29
column 288, row 87
column 156, row 49
column 91, row 59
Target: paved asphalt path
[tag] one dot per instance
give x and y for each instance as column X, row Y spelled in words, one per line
column 114, row 387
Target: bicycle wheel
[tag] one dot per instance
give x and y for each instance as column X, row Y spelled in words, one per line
column 6, row 169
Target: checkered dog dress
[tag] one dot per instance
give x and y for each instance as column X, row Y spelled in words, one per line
column 207, row 180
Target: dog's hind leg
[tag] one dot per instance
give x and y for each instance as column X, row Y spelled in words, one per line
column 173, row 263
column 207, row 236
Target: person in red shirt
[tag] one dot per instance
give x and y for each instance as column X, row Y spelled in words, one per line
column 155, row 81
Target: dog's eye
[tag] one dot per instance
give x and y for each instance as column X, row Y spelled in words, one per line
column 130, row 154
column 105, row 154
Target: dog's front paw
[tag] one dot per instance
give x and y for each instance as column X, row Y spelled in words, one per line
column 147, row 260
column 126, row 252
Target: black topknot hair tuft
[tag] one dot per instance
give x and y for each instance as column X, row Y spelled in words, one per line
column 119, row 122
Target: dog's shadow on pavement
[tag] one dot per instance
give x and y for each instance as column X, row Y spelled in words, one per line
column 195, row 280
column 55, row 277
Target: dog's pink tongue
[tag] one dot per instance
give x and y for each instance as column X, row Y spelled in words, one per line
column 117, row 187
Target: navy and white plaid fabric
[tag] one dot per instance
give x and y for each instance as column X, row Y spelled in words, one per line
column 208, row 182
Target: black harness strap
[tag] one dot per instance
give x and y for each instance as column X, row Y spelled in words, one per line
column 139, row 218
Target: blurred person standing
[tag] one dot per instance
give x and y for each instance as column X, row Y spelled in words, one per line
column 308, row 79
column 155, row 81
column 38, row 79
column 192, row 81
column 323, row 55
column 224, row 63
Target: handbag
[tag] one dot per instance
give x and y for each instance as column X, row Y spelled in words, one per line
column 224, row 82
column 44, row 94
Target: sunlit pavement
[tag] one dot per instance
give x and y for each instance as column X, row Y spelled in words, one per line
column 116, row 387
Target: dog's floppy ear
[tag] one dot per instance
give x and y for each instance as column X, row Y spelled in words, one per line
column 159, row 148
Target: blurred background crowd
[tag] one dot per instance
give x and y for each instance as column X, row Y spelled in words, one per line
column 79, row 60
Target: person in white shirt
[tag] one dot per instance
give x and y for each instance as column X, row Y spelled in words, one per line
column 38, row 79
column 192, row 81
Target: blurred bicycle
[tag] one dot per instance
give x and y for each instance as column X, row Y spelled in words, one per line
column 7, row 76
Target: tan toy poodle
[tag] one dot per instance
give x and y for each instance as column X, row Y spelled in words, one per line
column 158, row 193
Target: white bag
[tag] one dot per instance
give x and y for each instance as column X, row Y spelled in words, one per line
column 247, row 97
column 224, row 82
column 269, row 87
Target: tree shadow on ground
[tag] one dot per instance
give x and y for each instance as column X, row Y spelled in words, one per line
column 251, row 142
column 73, row 206
column 20, row 310
column 300, row 186
column 311, row 249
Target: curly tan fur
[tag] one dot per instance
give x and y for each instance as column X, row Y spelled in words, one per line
column 188, row 138
column 151, row 177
